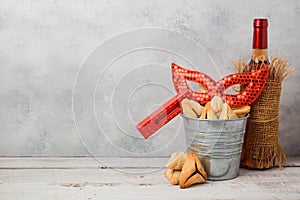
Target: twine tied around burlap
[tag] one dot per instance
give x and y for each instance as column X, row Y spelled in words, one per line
column 261, row 147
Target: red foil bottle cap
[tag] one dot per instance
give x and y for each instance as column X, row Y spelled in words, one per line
column 260, row 34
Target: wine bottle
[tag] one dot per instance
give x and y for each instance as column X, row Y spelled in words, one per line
column 260, row 44
column 256, row 148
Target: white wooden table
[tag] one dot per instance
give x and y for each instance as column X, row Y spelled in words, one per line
column 133, row 178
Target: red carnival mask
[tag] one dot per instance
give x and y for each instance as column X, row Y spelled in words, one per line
column 255, row 82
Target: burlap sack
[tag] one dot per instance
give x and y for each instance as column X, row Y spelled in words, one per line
column 261, row 145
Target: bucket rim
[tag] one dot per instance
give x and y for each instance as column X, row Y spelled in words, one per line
column 217, row 120
column 221, row 144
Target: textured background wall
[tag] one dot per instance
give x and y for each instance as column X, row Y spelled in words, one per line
column 44, row 44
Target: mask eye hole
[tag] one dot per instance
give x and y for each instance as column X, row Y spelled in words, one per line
column 234, row 89
column 201, row 88
column 196, row 87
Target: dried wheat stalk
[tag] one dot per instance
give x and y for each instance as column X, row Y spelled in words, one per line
column 278, row 68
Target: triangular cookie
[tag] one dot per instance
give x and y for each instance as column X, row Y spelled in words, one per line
column 230, row 113
column 173, row 176
column 242, row 111
column 192, row 171
column 216, row 104
column 210, row 113
column 196, row 107
column 223, row 114
column 176, row 161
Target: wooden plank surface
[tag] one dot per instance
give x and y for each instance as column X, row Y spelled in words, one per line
column 81, row 162
column 133, row 178
column 94, row 162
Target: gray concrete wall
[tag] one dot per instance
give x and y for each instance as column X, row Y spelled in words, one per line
column 51, row 51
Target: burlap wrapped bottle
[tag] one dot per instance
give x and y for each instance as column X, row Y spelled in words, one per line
column 261, row 146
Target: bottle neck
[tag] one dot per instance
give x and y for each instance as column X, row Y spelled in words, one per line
column 259, row 45
column 259, row 56
column 260, row 34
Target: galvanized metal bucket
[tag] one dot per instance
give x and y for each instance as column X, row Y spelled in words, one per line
column 218, row 143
